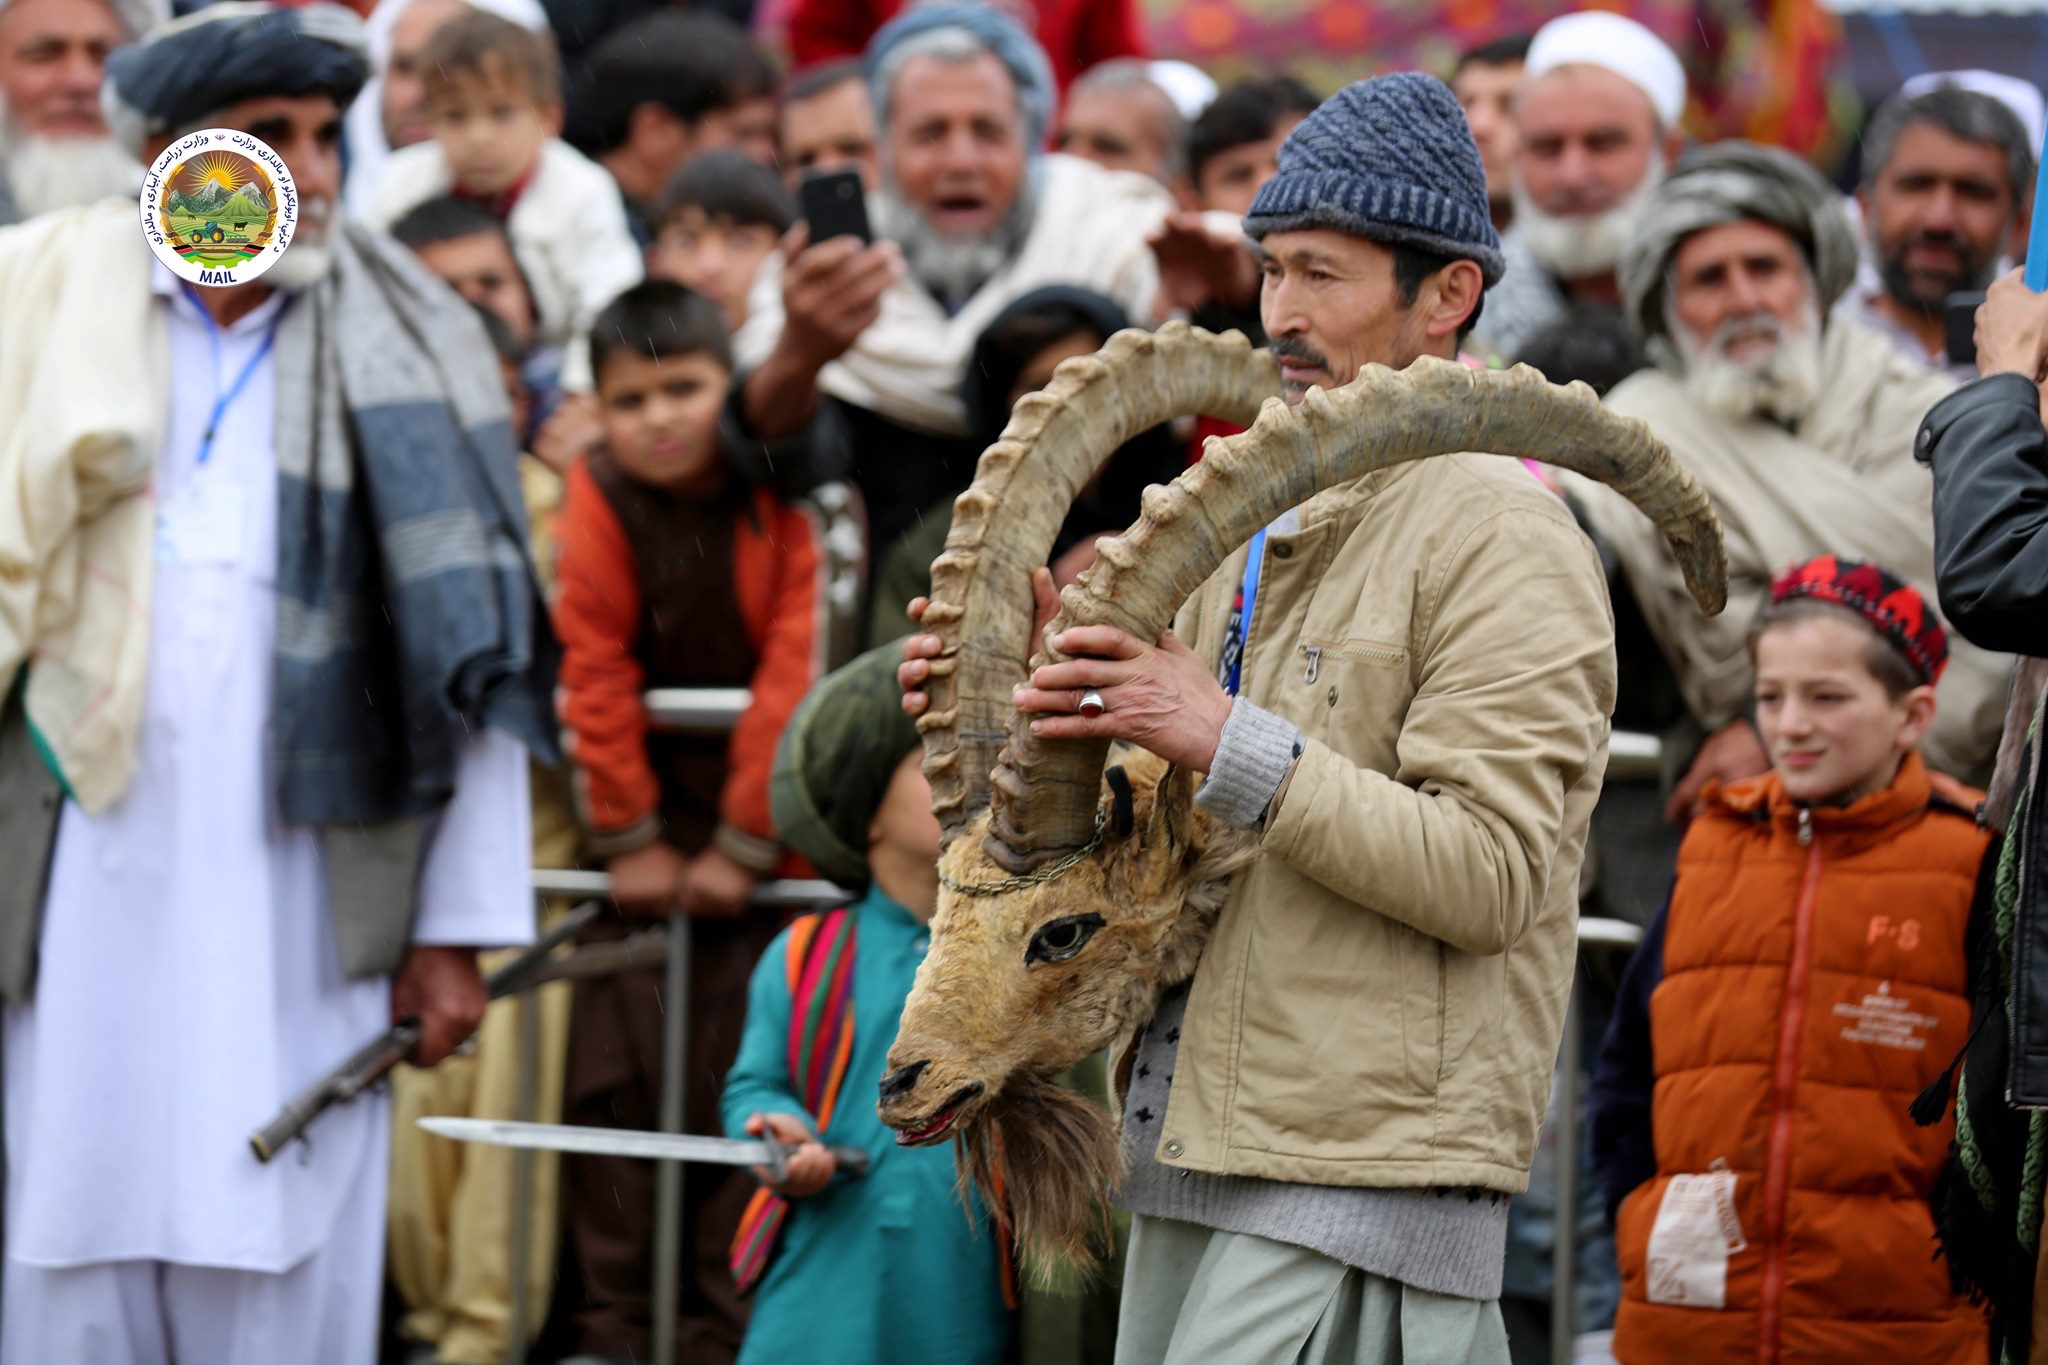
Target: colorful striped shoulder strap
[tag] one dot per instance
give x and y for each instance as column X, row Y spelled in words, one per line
column 819, row 962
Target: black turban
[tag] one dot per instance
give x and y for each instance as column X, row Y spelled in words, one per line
column 190, row 68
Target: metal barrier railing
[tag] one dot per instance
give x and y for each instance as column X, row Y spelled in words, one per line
column 1630, row 756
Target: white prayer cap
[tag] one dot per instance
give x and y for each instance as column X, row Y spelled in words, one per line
column 2022, row 97
column 1189, row 87
column 1618, row 44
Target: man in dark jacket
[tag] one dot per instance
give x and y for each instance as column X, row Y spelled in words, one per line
column 1989, row 452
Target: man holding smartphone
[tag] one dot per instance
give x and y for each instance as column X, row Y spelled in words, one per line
column 970, row 215
column 1944, row 196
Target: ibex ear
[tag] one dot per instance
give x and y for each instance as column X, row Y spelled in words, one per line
column 1171, row 821
column 1122, row 811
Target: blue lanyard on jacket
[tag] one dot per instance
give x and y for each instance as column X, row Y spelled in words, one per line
column 1241, row 629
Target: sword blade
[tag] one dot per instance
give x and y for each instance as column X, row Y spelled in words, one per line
column 563, row 1137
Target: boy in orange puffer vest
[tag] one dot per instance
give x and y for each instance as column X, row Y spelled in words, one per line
column 1806, row 981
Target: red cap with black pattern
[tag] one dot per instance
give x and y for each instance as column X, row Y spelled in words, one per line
column 1895, row 608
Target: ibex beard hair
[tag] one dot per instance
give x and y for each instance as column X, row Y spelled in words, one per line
column 1072, row 899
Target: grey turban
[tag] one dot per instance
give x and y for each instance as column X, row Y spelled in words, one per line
column 228, row 52
column 1729, row 182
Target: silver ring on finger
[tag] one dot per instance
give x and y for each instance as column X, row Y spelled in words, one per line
column 1091, row 704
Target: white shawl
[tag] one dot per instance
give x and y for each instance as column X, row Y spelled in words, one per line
column 1089, row 231
column 1845, row 484
column 77, row 448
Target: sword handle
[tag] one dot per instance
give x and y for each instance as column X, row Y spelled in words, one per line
column 778, row 1155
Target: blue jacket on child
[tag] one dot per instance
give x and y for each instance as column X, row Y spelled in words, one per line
column 889, row 1266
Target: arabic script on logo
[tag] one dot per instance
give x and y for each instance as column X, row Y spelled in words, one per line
column 219, row 207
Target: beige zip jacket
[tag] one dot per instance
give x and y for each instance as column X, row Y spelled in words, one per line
column 1382, row 1001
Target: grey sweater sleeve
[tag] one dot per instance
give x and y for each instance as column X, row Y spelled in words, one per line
column 1252, row 760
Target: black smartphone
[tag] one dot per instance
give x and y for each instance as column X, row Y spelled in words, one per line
column 835, row 205
column 1960, row 318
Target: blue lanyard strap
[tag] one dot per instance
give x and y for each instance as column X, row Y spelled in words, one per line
column 226, row 399
column 1255, row 557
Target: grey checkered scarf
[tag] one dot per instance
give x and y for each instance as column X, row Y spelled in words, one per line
column 408, row 614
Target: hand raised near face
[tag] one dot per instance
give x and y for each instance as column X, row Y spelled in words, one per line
column 832, row 292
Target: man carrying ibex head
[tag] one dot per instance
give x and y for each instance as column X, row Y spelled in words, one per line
column 1404, row 686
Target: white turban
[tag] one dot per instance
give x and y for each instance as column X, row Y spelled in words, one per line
column 2022, row 97
column 1617, row 44
column 367, row 149
column 1189, row 87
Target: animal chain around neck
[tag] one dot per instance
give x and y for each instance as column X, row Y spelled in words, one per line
column 1044, row 874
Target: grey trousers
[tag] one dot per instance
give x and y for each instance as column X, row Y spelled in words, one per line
column 1195, row 1296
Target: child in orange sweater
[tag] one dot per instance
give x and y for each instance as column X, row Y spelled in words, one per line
column 1808, row 979
column 672, row 573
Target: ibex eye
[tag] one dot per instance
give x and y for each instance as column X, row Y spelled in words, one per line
column 1062, row 938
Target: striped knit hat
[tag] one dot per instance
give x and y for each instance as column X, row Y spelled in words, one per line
column 1391, row 160
column 1894, row 608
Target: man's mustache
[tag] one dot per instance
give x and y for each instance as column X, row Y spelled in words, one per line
column 1939, row 237
column 1295, row 349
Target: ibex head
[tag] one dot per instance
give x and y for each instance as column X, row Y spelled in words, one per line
column 1072, row 899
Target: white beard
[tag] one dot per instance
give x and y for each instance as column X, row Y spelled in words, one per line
column 309, row 259
column 1579, row 246
column 952, row 268
column 46, row 174
column 1781, row 383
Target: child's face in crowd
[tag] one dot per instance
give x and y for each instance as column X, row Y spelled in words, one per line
column 490, row 127
column 1038, row 373
column 904, row 830
column 1231, row 179
column 717, row 258
column 1833, row 731
column 660, row 418
column 483, row 270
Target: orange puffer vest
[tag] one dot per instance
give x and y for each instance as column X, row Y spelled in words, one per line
column 1814, row 983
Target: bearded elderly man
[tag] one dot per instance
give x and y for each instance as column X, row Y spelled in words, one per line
column 970, row 216
column 1596, row 120
column 263, row 789
column 1324, row 1128
column 55, row 151
column 1799, row 425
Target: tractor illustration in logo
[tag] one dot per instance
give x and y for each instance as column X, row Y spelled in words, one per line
column 218, row 209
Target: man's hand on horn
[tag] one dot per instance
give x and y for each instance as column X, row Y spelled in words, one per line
column 1160, row 697
column 919, row 650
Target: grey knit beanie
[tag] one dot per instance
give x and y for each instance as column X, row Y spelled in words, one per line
column 1391, row 160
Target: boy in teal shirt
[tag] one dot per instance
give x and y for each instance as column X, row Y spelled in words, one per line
column 885, row 1267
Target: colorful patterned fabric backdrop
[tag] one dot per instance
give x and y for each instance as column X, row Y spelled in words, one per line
column 1761, row 68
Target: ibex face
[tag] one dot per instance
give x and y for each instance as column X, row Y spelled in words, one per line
column 1027, row 982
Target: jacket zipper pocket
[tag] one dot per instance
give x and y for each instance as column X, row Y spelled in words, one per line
column 1314, row 650
column 1777, row 1175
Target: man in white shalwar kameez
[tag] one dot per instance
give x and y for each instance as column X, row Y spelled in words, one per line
column 200, row 956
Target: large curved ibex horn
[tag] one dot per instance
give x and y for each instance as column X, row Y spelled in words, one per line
column 1057, row 440
column 1046, row 791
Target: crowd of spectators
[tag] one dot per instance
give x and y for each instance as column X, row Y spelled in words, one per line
column 742, row 440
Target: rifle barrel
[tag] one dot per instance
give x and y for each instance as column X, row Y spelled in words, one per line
column 373, row 1061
